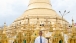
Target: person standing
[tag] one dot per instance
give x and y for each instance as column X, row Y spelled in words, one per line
column 40, row 38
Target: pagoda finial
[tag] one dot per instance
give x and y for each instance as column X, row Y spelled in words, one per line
column 4, row 23
column 72, row 22
column 73, row 28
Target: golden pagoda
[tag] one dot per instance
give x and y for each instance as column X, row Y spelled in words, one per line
column 41, row 9
column 39, row 16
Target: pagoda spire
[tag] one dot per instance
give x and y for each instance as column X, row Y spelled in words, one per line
column 72, row 22
column 39, row 4
column 73, row 28
column 4, row 24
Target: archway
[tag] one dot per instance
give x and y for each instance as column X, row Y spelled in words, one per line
column 14, row 42
column 60, row 41
column 24, row 41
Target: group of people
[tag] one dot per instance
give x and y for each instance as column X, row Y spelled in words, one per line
column 40, row 38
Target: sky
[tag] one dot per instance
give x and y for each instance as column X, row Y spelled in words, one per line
column 12, row 9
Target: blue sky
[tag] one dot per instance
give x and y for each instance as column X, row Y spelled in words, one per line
column 12, row 9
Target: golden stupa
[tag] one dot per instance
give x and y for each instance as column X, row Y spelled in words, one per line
column 41, row 9
column 38, row 16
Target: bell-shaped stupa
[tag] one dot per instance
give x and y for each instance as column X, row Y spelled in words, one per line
column 41, row 9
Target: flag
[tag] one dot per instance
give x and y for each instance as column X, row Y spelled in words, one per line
column 75, row 24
